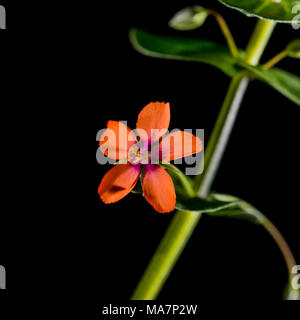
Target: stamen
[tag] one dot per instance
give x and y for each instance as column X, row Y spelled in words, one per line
column 137, row 155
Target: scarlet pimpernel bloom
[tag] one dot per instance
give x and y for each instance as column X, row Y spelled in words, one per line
column 140, row 154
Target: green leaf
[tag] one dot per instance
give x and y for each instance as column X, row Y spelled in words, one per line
column 241, row 211
column 293, row 48
column 185, row 49
column 186, row 201
column 278, row 10
column 286, row 83
column 245, row 211
column 202, row 205
column 214, row 54
column 189, row 18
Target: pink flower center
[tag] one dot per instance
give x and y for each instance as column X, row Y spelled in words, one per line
column 138, row 155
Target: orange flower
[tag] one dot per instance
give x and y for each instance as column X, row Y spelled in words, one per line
column 158, row 188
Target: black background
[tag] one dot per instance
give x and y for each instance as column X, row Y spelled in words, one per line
column 53, row 236
column 224, row 259
column 4, row 250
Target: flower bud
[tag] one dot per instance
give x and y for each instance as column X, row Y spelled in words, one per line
column 293, row 49
column 189, row 18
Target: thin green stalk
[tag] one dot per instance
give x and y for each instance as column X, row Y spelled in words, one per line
column 291, row 293
column 271, row 63
column 282, row 244
column 229, row 111
column 226, row 32
column 221, row 134
column 184, row 223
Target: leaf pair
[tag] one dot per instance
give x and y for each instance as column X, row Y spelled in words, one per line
column 213, row 54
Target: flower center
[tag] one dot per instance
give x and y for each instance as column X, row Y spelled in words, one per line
column 137, row 155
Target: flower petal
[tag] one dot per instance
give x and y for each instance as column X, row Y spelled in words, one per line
column 118, row 182
column 155, row 116
column 159, row 189
column 117, row 140
column 178, row 145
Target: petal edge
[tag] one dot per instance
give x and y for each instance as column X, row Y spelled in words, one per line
column 158, row 188
column 118, row 182
column 155, row 116
column 179, row 144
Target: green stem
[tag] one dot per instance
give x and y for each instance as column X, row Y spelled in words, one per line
column 221, row 134
column 271, row 63
column 184, row 223
column 282, row 244
column 229, row 111
column 166, row 256
column 226, row 32
column 291, row 293
column 259, row 41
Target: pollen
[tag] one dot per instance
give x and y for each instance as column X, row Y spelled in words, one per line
column 136, row 155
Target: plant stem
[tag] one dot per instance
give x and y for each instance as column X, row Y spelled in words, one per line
column 282, row 244
column 259, row 41
column 221, row 134
column 226, row 32
column 228, row 114
column 184, row 223
column 292, row 293
column 166, row 256
column 275, row 60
